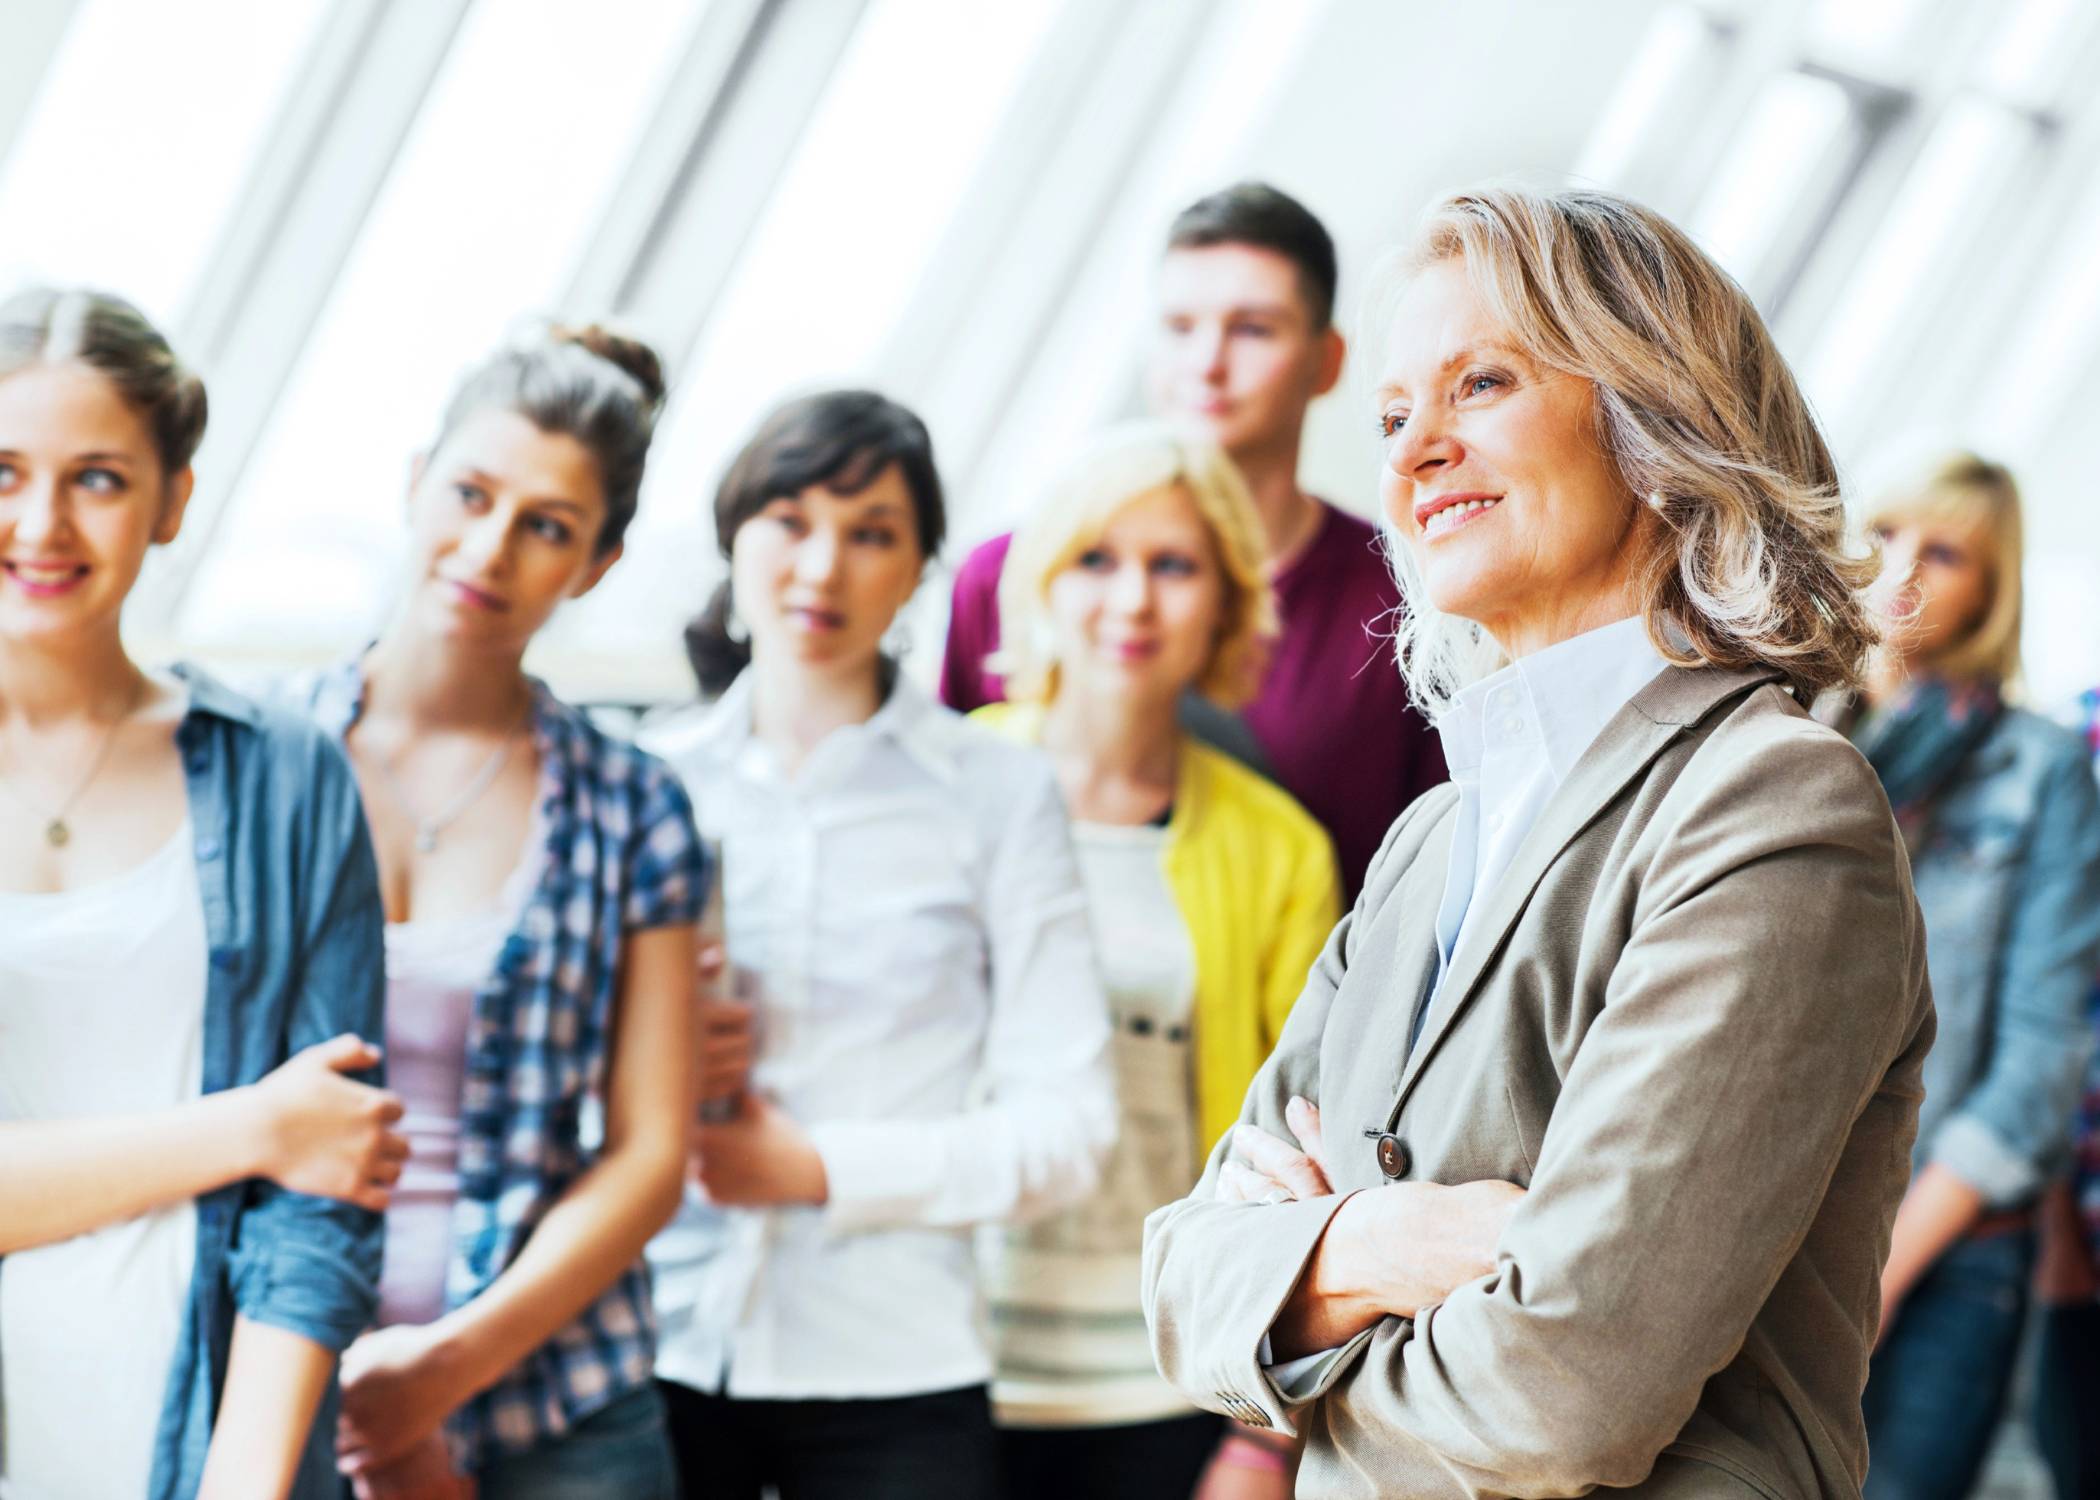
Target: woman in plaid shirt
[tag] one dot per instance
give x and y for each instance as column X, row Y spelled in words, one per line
column 542, row 883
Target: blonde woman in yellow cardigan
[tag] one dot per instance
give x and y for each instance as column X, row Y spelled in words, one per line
column 1140, row 581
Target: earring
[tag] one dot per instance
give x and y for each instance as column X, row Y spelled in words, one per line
column 734, row 627
column 896, row 642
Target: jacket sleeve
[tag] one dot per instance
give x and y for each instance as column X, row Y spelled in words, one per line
column 2014, row 1126
column 305, row 1264
column 1215, row 1275
column 1773, row 973
column 1048, row 1118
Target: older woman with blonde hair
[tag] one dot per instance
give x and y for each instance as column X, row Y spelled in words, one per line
column 2000, row 812
column 1601, row 1096
column 1137, row 580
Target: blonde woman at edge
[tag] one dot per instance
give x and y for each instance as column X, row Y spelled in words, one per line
column 1602, row 1097
column 1998, row 807
column 1138, row 578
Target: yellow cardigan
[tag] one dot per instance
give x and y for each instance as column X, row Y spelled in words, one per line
column 1255, row 879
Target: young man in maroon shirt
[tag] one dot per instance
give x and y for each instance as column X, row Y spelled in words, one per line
column 1245, row 342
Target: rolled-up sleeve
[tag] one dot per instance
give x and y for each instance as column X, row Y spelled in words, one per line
column 667, row 865
column 1215, row 1275
column 2013, row 1128
column 1048, row 1118
column 305, row 1264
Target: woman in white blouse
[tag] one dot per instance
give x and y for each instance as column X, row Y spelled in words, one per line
column 901, row 891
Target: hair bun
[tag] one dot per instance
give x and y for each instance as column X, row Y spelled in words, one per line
column 633, row 356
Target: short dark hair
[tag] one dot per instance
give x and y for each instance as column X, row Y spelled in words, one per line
column 842, row 440
column 587, row 383
column 1254, row 213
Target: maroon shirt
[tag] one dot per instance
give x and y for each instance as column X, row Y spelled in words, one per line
column 1332, row 718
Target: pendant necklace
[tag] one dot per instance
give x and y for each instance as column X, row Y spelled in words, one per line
column 57, row 831
column 428, row 829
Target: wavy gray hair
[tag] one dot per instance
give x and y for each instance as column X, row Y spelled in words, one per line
column 1752, row 561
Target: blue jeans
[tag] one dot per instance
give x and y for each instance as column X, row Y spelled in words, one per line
column 2066, row 1397
column 1937, row 1386
column 619, row 1453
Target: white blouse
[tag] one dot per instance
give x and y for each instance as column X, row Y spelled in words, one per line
column 929, row 1010
column 1511, row 739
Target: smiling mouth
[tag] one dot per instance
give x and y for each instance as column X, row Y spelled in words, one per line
column 478, row 598
column 818, row 619
column 1451, row 517
column 45, row 578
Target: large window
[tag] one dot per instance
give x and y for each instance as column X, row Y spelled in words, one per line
column 139, row 140
column 498, row 188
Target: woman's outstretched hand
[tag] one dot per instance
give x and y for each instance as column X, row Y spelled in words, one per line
column 728, row 1031
column 759, row 1159
column 319, row 1132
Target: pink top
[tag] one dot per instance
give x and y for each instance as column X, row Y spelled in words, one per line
column 433, row 970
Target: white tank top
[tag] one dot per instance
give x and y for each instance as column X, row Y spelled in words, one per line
column 101, row 1013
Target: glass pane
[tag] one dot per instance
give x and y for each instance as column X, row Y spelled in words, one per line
column 1862, row 32
column 2034, row 48
column 139, row 139
column 2055, row 349
column 1944, row 203
column 1678, row 42
column 1779, row 172
column 830, row 265
column 499, row 183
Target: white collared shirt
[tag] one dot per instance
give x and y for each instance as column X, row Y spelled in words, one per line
column 930, row 1010
column 1510, row 740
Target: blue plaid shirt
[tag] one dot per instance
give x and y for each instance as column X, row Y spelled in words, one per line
column 621, row 854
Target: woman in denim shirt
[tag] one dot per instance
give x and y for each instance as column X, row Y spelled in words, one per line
column 1999, row 810
column 187, row 898
column 2067, row 1353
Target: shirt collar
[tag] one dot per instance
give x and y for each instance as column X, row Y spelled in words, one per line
column 1570, row 690
column 207, row 695
column 907, row 718
column 338, row 701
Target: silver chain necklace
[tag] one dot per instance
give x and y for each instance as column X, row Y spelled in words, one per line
column 57, row 831
column 428, row 829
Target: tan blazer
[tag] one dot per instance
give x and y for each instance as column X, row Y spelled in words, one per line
column 1691, row 1024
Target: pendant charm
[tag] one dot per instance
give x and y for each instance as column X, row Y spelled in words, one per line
column 426, row 838
column 56, row 834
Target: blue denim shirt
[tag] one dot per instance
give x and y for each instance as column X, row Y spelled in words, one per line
column 2008, row 878
column 293, row 920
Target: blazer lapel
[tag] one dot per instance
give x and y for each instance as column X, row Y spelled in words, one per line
column 1416, row 898
column 1677, row 698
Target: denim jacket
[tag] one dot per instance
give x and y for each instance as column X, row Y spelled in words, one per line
column 2008, row 877
column 292, row 916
